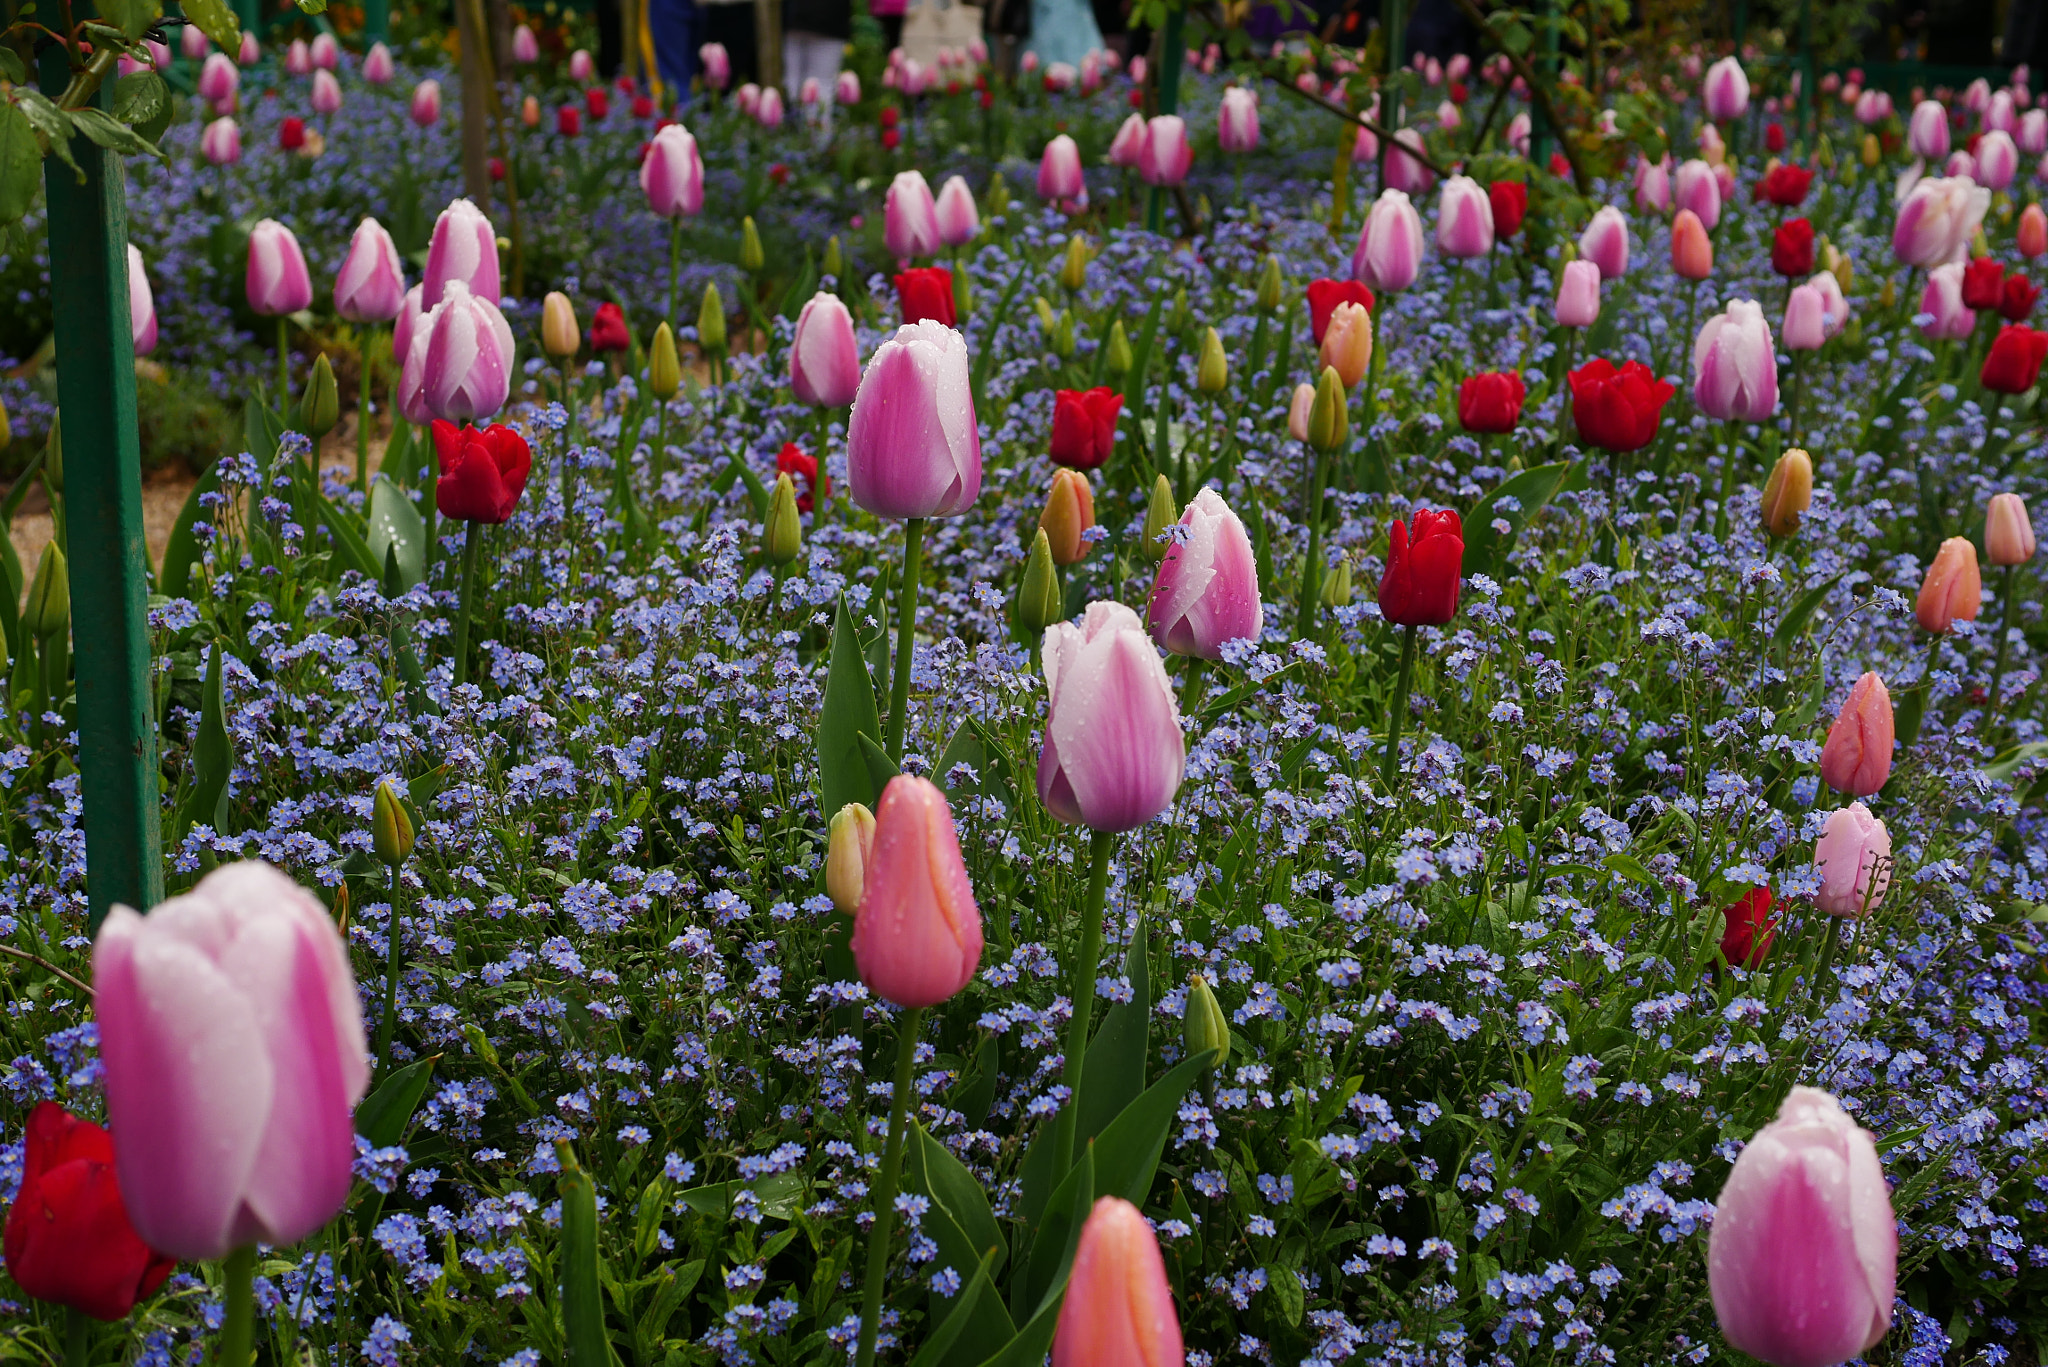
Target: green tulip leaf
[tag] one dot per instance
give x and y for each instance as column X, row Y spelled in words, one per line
column 381, row 1117
column 847, row 712
column 397, row 532
column 1114, row 1074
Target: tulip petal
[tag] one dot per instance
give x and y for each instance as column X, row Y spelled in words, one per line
column 1106, row 711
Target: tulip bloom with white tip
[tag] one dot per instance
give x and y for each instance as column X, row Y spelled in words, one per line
column 583, row 67
column 1405, row 171
column 2033, row 132
column 141, row 304
column 1578, row 295
column 1735, row 365
column 325, row 52
column 847, row 89
column 1998, row 160
column 219, row 81
column 458, row 366
column 378, row 68
column 1127, row 148
column 1166, row 156
column 1695, row 187
column 1118, row 1307
column 194, row 43
column 425, row 109
column 1059, row 170
column 277, row 281
column 298, row 60
column 1805, row 327
column 1834, row 304
column 1389, row 251
column 1605, row 243
column 1942, row 300
column 1207, row 592
column 672, row 174
column 1464, row 219
column 910, row 217
column 464, row 248
column 1726, row 91
column 769, row 112
column 1927, row 131
column 326, row 92
column 824, row 357
column 1237, row 121
column 1113, row 752
column 370, row 287
column 221, row 143
column 1653, row 184
column 959, row 218
column 1802, row 1262
column 1854, row 860
column 912, row 447
column 525, row 47
column 232, row 1040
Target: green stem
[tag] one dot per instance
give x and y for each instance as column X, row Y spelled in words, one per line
column 471, row 541
column 2004, row 633
column 906, row 631
column 886, row 1182
column 1312, row 568
column 77, row 1338
column 284, row 374
column 393, row 962
column 675, row 247
column 1397, row 710
column 364, row 333
column 1087, row 958
column 238, row 1327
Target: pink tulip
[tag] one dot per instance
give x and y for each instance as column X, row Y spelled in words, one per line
column 747, row 99
column 1113, row 752
column 464, row 248
column 1166, row 156
column 193, row 42
column 1578, row 295
column 277, row 281
column 2033, row 132
column 1873, row 107
column 917, row 937
column 769, row 112
column 1207, row 591
column 1726, row 91
column 458, row 366
column 959, row 219
column 1834, row 305
column 1059, row 170
column 811, row 93
column 250, row 51
column 1998, row 160
column 1854, row 860
column 1653, row 184
column 1464, row 219
column 1448, row 116
column 1942, row 298
column 1937, row 221
column 1960, row 166
column 583, row 67
column 910, row 217
column 1119, row 1306
column 672, row 174
column 1389, row 251
column 426, row 103
column 326, row 92
column 847, row 90
column 824, row 358
column 297, row 60
column 1519, row 128
column 141, row 304
column 1802, row 1261
column 1735, row 365
column 219, row 79
column 2008, row 531
column 371, row 285
column 1605, row 243
column 1127, row 148
column 717, row 65
column 234, row 1054
column 525, row 47
column 1404, row 172
column 1977, row 96
column 1365, row 147
column 402, row 327
column 1805, row 326
column 1724, row 181
column 1857, row 758
column 1458, row 67
column 1927, row 131
column 912, row 447
column 2001, row 115
column 1237, row 121
column 1299, row 407
column 221, row 143
column 325, row 52
column 1953, row 588
column 378, row 68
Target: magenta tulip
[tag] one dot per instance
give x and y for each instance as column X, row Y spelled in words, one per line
column 1166, row 156
column 583, row 66
column 458, row 366
column 1726, row 91
column 824, row 358
column 1605, row 243
column 672, row 174
column 1805, row 327
column 525, row 47
column 959, row 219
column 219, row 80
column 194, row 43
column 1735, row 365
column 717, row 65
column 425, row 109
column 1207, row 592
column 1998, row 160
column 371, row 285
column 847, row 89
column 769, row 112
column 402, row 327
column 141, row 304
column 326, row 92
column 250, row 52
column 1941, row 299
column 910, row 217
column 1406, row 172
column 378, row 68
column 1464, row 219
column 1695, row 187
column 234, row 1054
column 1237, row 121
column 325, row 52
column 297, row 59
column 1119, row 1306
column 1937, row 221
column 277, row 281
column 221, row 143
column 912, row 447
column 1059, row 170
column 917, row 936
column 464, row 248
column 1127, row 148
column 1113, row 752
column 1389, row 251
column 1927, row 131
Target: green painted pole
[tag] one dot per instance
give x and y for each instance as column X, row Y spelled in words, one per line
column 249, row 18
column 376, row 21
column 1173, row 46
column 103, row 512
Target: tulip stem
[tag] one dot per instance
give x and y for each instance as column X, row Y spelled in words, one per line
column 1087, row 958
column 675, row 248
column 886, row 1182
column 2004, row 635
column 1397, row 710
column 284, row 374
column 471, row 541
column 393, row 962
column 237, row 1330
column 363, row 334
column 77, row 1337
column 1312, row 567
column 906, row 630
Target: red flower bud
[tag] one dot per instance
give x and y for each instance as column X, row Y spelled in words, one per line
column 483, row 471
column 1491, row 402
column 926, row 292
column 1983, row 284
column 1510, row 199
column 608, row 331
column 68, row 1239
column 1750, row 930
column 1617, row 410
column 1420, row 587
column 1792, row 248
column 2015, row 360
column 1084, row 426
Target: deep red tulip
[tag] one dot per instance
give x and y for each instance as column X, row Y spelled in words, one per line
column 1786, row 185
column 926, row 292
column 497, row 168
column 1491, row 402
column 597, row 102
column 608, row 331
column 2015, row 360
column 1510, row 200
column 1792, row 248
column 483, row 471
column 2016, row 298
column 68, row 1238
column 889, row 116
column 1774, row 138
column 1084, row 426
column 1983, row 284
column 1325, row 295
column 813, row 481
column 1750, row 929
column 892, row 138
column 1617, row 410
column 1420, row 587
column 779, row 173
column 568, row 121
column 1560, row 165
column 291, row 134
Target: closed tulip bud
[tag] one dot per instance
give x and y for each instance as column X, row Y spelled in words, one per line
column 824, row 357
column 664, row 366
column 1464, row 223
column 1063, row 340
column 1692, row 251
column 849, row 845
column 464, row 248
column 1207, row 592
column 277, row 281
column 1166, row 155
column 2031, row 237
column 711, row 321
column 752, row 259
column 1578, row 295
column 1870, row 153
column 320, row 404
column 672, row 174
column 1347, row 343
column 910, row 217
column 1113, row 750
column 561, row 336
column 1117, row 359
column 1694, row 187
column 391, row 830
column 831, row 264
column 1204, row 1029
column 1802, row 1261
column 1735, row 365
column 48, row 612
column 1212, row 374
column 1299, row 407
column 1329, row 418
column 1074, row 269
column 68, row 1238
column 230, row 1035
column 1854, row 860
column 917, row 936
column 959, row 219
column 370, row 287
column 1069, row 513
column 1389, row 251
column 1857, row 758
column 1337, row 585
column 53, row 453
column 912, row 446
column 1161, row 512
column 1725, row 91
column 1119, row 1306
column 1605, row 243
column 1787, row 493
column 1038, row 593
column 2008, row 532
column 782, row 533
column 458, row 366
column 1059, row 170
column 1952, row 589
column 1272, row 287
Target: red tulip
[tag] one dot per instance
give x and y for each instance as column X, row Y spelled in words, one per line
column 568, row 121
column 1774, row 137
column 1510, row 200
column 1084, row 426
column 2015, row 360
column 816, row 482
column 68, row 1239
column 643, row 108
column 483, row 471
column 597, row 102
column 1420, row 587
column 1792, row 248
column 1786, row 185
column 1325, row 295
column 1983, row 284
column 1750, row 929
column 1491, row 402
column 291, row 134
column 1617, row 410
column 2016, row 299
column 926, row 293
column 608, row 331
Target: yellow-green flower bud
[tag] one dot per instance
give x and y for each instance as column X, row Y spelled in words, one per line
column 1272, row 289
column 1074, row 270
column 782, row 535
column 833, row 265
column 664, row 367
column 1038, row 593
column 53, row 453
column 391, row 826
column 49, row 598
column 320, row 405
column 6, row 430
column 1044, row 312
column 997, row 200
column 1337, row 585
column 851, row 839
column 711, row 321
column 963, row 292
column 1204, row 1027
column 1119, row 360
column 1872, row 153
column 560, row 334
column 1178, row 319
column 1063, row 335
column 752, row 258
column 1329, row 418
column 1162, row 512
column 1212, row 376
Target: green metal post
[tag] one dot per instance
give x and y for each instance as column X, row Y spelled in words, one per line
column 1396, row 29
column 1173, row 46
column 103, row 505
column 376, row 21
column 249, row 17
column 1540, row 131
